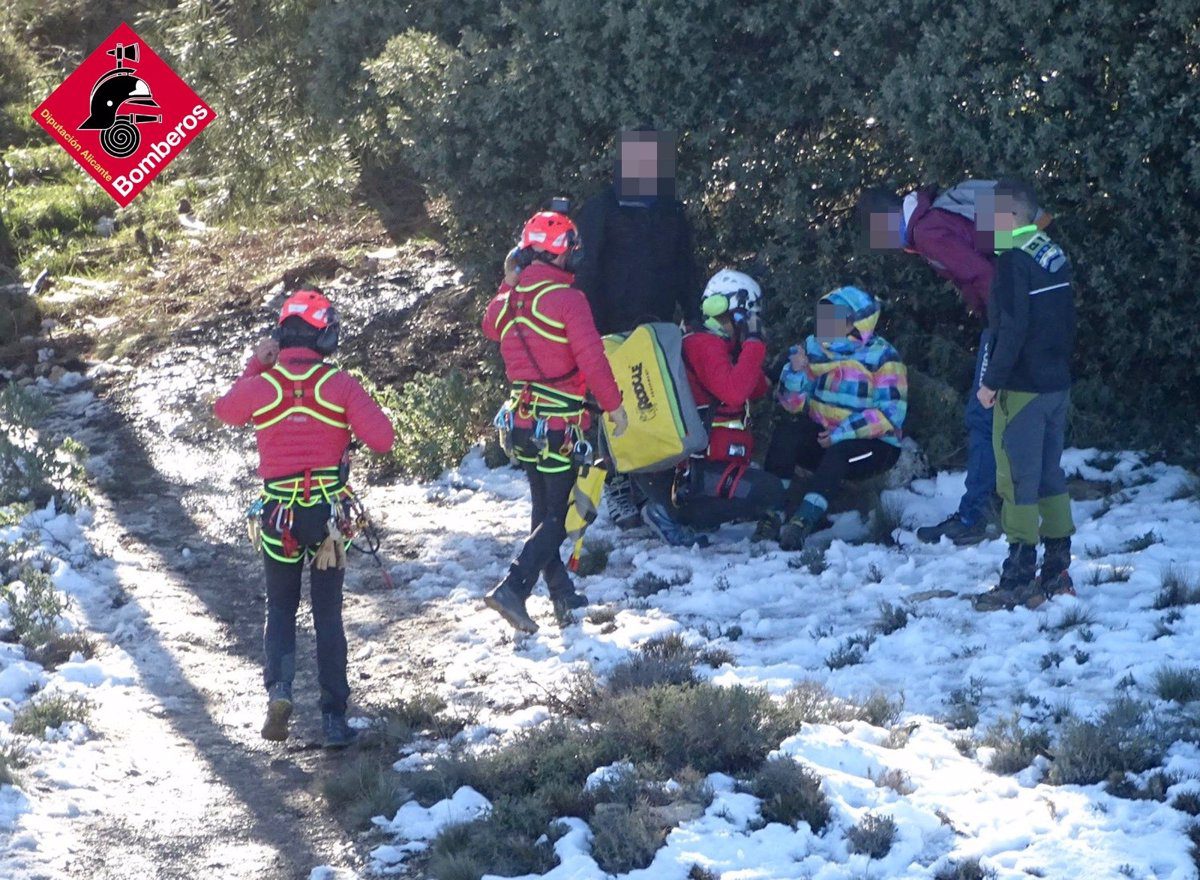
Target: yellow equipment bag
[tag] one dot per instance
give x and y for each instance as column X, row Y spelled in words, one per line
column 585, row 503
column 665, row 426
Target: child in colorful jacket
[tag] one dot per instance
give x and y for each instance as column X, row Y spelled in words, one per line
column 847, row 392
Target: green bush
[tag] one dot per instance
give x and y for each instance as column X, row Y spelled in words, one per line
column 33, row 468
column 35, row 608
column 364, row 788
column 50, row 712
column 625, row 838
column 785, row 115
column 790, row 794
column 13, row 757
column 437, row 420
column 1124, row 738
column 1015, row 746
column 873, row 836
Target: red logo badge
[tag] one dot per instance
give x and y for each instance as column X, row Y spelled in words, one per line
column 123, row 115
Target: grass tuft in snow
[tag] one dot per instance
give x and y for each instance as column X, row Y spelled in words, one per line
column 1189, row 491
column 699, row 873
column 810, row 702
column 1177, row 684
column 50, row 712
column 1124, row 738
column 650, row 584
column 1140, row 543
column 363, row 788
column 1074, row 617
column 60, row 648
column 1177, row 588
column 423, row 714
column 873, row 836
column 892, row 618
column 662, row 660
column 851, row 652
column 1015, row 746
column 594, row 559
column 1153, row 789
column 1188, row 802
column 810, row 558
column 791, row 794
column 885, row 519
column 962, row 706
column 897, row 780
column 625, row 838
column 971, row 869
column 13, row 757
column 1115, row 574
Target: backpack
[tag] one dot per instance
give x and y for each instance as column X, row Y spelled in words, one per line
column 665, row 426
column 960, row 199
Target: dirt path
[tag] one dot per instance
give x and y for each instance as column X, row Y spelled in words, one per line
column 183, row 786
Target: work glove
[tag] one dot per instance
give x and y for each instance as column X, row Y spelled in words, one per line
column 511, row 268
column 620, row 421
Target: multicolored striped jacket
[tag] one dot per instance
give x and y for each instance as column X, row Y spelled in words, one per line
column 856, row 387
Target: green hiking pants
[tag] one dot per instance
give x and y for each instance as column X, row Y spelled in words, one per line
column 1028, row 432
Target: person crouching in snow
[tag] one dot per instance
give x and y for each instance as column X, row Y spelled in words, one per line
column 304, row 412
column 846, row 391
column 554, row 357
column 724, row 361
column 1027, row 381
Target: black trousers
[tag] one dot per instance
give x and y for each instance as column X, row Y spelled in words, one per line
column 550, row 496
column 794, row 442
column 712, row 493
column 279, row 635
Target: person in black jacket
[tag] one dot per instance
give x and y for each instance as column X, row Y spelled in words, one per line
column 638, row 266
column 1027, row 378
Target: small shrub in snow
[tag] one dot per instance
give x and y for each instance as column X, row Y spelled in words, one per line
column 699, row 873
column 1117, row 574
column 880, row 710
column 1188, row 802
column 625, row 838
column 710, row 728
column 602, row 615
column 873, row 836
column 892, row 618
column 456, row 866
column 899, row 735
column 810, row 702
column 716, row 657
column 421, row 714
column 1178, row 684
column 35, row 608
column 594, row 558
column 662, row 660
column 650, row 584
column 365, row 787
column 60, row 648
column 1140, row 543
column 963, row 704
column 811, row 559
column 966, row 746
column 1124, row 738
column 885, row 519
column 1153, row 789
column 1073, row 617
column 13, row 757
column 790, row 794
column 33, row 467
column 1189, row 491
column 512, row 840
column 50, row 712
column 1015, row 746
column 897, row 780
column 971, row 869
column 1177, row 589
column 850, row 652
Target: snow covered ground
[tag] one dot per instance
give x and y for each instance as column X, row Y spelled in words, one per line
column 781, row 622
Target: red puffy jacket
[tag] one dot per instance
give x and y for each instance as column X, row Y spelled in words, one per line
column 546, row 335
column 299, row 442
column 726, row 382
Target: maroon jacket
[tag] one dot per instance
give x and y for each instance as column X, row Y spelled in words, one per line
column 947, row 242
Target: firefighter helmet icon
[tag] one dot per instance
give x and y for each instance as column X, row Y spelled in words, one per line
column 120, row 87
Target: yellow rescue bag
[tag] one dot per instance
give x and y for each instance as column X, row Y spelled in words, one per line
column 585, row 503
column 664, row 424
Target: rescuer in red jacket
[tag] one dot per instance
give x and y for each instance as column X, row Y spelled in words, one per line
column 554, row 358
column 304, row 413
column 724, row 361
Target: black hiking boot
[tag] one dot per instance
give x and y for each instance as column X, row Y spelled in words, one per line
column 794, row 533
column 279, row 711
column 507, row 599
column 623, row 508
column 1054, row 578
column 338, row 734
column 768, row 527
column 956, row 529
column 565, row 603
column 1018, row 582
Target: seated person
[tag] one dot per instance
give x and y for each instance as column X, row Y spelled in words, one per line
column 846, row 392
column 724, row 360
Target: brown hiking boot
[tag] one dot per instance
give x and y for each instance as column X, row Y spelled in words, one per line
column 279, row 711
column 1054, row 578
column 1018, row 585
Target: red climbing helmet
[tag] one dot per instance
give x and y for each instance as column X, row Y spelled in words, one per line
column 550, row 231
column 310, row 306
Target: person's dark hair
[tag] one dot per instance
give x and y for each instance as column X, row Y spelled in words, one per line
column 876, row 200
column 295, row 332
column 1023, row 197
